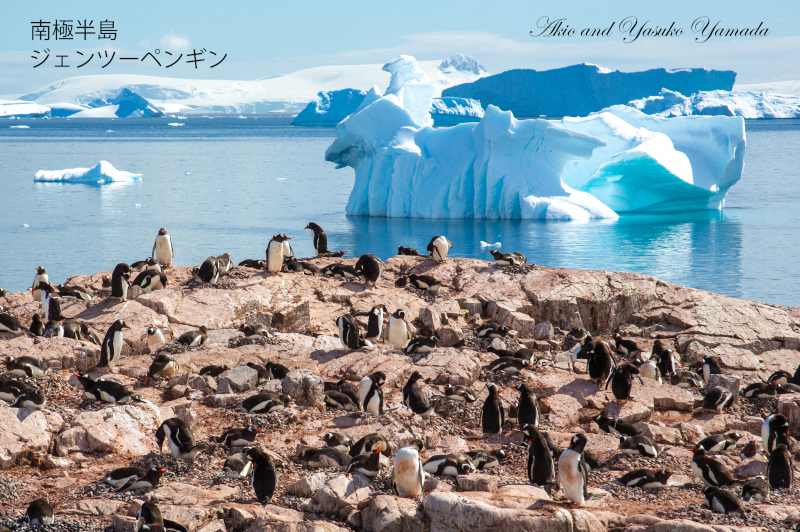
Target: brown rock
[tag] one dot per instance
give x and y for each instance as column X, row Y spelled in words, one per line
column 339, row 495
column 124, row 429
column 472, row 306
column 450, row 335
column 789, row 406
column 305, row 387
column 238, row 380
column 21, row 430
column 477, row 483
column 629, row 412
column 386, row 513
column 679, row 525
column 431, row 320
column 564, row 410
column 543, row 331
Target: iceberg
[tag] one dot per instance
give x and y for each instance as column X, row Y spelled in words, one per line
column 127, row 104
column 101, row 173
column 578, row 90
column 18, row 108
column 450, row 111
column 747, row 104
column 62, row 109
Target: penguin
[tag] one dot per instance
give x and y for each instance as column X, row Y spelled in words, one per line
column 334, row 399
column 397, row 334
column 238, row 437
column 255, row 330
column 263, row 374
column 508, row 365
column 615, row 426
column 106, row 391
column 753, row 450
column 325, row 457
column 401, row 281
column 709, row 470
column 488, row 459
column 30, row 398
column 349, row 334
column 414, row 397
column 194, row 338
column 10, row 389
column 264, row 403
column 659, row 348
column 719, row 442
column 760, row 390
column 408, row 475
column 224, row 263
column 150, row 513
column 541, row 468
column 236, row 466
column 450, row 465
column 721, row 501
column 639, row 445
column 276, row 251
column 649, row 369
column 163, row 251
column 717, row 399
column 11, row 324
column 154, row 336
column 214, row 371
column 492, row 415
column 796, row 376
column 350, row 390
column 710, row 367
column 438, row 248
column 425, row 282
column 492, row 330
column 421, row 344
column 600, row 364
column 111, row 348
column 148, row 263
column 120, row 281
column 459, row 392
column 773, row 430
column 253, row 263
column 573, row 476
column 150, row 281
column 164, row 365
column 370, row 267
column 264, row 478
column 133, row 478
column 368, row 465
column 787, row 388
column 370, row 394
column 686, row 379
column 179, row 437
column 375, row 322
column 339, row 270
column 505, row 259
column 527, row 409
column 299, row 266
column 25, row 366
column 320, row 238
column 39, row 513
column 411, row 252
column 53, row 329
column 369, row 443
column 626, row 347
column 526, row 354
column 53, row 310
column 779, row 469
column 621, row 380
column 666, row 362
column 513, row 414
column 37, row 327
column 338, row 440
column 276, row 371
column 780, row 377
column 209, row 271
column 80, row 331
column 645, row 478
column 574, row 339
column 40, row 277
column 756, row 489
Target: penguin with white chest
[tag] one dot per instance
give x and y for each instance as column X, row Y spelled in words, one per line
column 120, row 281
column 40, row 277
column 179, row 438
column 209, row 271
column 25, row 366
column 408, row 476
column 450, row 465
column 164, row 365
column 438, row 248
column 111, row 348
column 349, row 334
column 39, row 513
column 375, row 322
column 320, row 238
column 541, row 469
column 414, row 397
column 276, row 251
column 573, row 477
column 30, row 398
column 370, row 393
column 162, row 249
column 398, row 334
column 773, row 431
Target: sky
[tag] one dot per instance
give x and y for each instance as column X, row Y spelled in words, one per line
column 268, row 38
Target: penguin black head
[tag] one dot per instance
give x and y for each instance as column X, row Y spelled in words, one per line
column 280, row 237
column 151, row 331
column 699, row 452
column 376, row 308
column 663, row 475
column 314, row 227
column 399, row 314
column 578, row 442
column 492, row 389
column 402, row 280
column 524, row 388
column 417, row 444
column 416, row 376
column 119, row 325
column 162, row 231
column 40, row 270
column 379, row 378
column 36, row 319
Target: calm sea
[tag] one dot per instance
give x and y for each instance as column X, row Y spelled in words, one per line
column 229, row 184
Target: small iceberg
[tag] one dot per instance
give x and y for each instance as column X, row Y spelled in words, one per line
column 19, row 127
column 488, row 245
column 175, row 124
column 103, row 172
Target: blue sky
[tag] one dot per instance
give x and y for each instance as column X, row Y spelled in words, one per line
column 267, row 38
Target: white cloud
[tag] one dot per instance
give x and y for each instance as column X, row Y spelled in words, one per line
column 172, row 41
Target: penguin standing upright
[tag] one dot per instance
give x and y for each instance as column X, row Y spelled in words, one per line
column 621, row 380
column 37, row 327
column 438, row 248
column 370, row 267
column 39, row 513
column 320, row 238
column 375, row 322
column 398, row 334
column 649, row 369
column 527, row 410
column 779, row 469
column 492, row 415
column 414, row 397
column 773, row 431
column 40, row 277
column 711, row 367
column 541, row 469
column 276, row 252
column 120, row 281
column 573, row 476
column 348, row 332
column 111, row 348
column 599, row 364
column 408, row 476
column 180, row 439
column 370, row 394
column 150, row 513
column 666, row 363
column 162, row 249
column 264, row 477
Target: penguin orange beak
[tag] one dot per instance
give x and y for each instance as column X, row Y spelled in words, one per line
column 162, row 469
column 240, row 329
column 125, row 327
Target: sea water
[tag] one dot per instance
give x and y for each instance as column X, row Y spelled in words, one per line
column 228, row 184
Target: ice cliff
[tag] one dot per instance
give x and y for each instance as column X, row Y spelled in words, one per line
column 617, row 161
column 578, row 90
column 747, row 104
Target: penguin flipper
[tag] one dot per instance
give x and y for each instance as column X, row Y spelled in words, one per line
column 128, row 483
column 153, row 253
column 585, row 478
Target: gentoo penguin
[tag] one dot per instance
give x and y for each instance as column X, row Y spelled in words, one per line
column 541, row 469
column 649, row 369
column 488, row 459
column 264, row 478
column 209, row 271
column 421, row 345
column 37, row 327
column 753, row 450
column 150, row 281
column 164, row 365
column 370, row 394
column 148, row 263
column 334, row 399
column 408, row 475
column 575, row 337
column 53, row 329
column 508, row 365
column 106, row 391
column 710, row 471
column 599, row 364
column 180, row 439
column 111, row 348
column 492, row 330
column 710, row 367
column 30, row 398
column 512, row 416
column 370, row 267
column 224, row 263
column 11, row 324
column 787, row 388
column 255, row 330
column 760, row 390
column 25, row 366
column 459, row 392
column 10, row 389
column 324, row 457
column 375, row 322
column 573, row 477
column 40, row 277
column 163, row 251
column 120, row 281
column 780, row 377
column 438, row 248
column 645, row 478
column 527, row 411
column 339, row 270
column 320, row 238
column 266, row 402
column 238, row 437
column 526, row 354
column 615, row 426
column 237, row 466
column 626, row 347
column 369, row 443
column 154, row 336
column 276, row 252
column 505, row 259
column 347, row 388
column 717, row 399
column 276, row 371
column 773, row 431
column 407, row 251
column 621, row 380
column 150, row 514
column 39, row 513
column 779, row 469
column 338, row 440
column 719, row 442
column 253, row 263
column 425, row 282
column 722, row 501
column 686, row 379
column 133, row 478
column 414, row 397
column 214, row 371
column 80, row 331
column 194, row 338
column 368, row 465
column 756, row 489
column 639, row 445
column 348, row 333
column 52, row 311
column 398, row 334
column 666, row 363
column 450, row 465
column 492, row 415
column 298, row 266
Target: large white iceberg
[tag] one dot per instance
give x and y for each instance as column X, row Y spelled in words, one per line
column 747, row 104
column 101, row 173
column 18, row 108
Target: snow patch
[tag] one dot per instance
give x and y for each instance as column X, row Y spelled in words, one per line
column 101, row 173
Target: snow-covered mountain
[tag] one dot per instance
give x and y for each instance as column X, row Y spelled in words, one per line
column 288, row 93
column 789, row 88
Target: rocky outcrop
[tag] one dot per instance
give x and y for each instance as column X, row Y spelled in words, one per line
column 23, row 430
column 125, row 429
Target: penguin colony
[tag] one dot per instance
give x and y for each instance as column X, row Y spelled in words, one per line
column 566, row 472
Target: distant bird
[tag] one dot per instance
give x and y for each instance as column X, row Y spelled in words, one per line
column 141, row 265
column 255, row 330
column 616, row 426
column 237, row 466
column 408, row 475
column 492, row 415
column 155, row 336
column 719, row 442
column 338, row 440
column 10, row 389
column 572, row 472
column 253, row 263
column 645, row 478
column 649, row 369
column 264, row 478
column 666, row 363
column 164, row 365
column 238, row 437
column 414, row 397
column 368, row 465
column 508, row 365
column 25, row 366
column 337, row 400
column 753, row 450
column 718, row 399
column 276, row 370
column 11, row 324
column 760, row 390
column 369, row 443
column 37, row 327
column 686, row 379
column 451, row 465
column 639, row 445
column 787, row 388
column 710, row 367
column 106, row 391
column 30, row 398
column 712, row 472
column 541, row 468
column 150, row 514
column 600, row 365
column 324, row 457
column 486, row 459
column 194, row 338
column 461, row 393
column 527, row 409
column 438, row 248
column 297, row 266
column 39, row 513
column 374, row 322
column 120, row 281
column 407, row 251
column 163, row 251
column 626, row 346
column 80, row 331
column 370, row 394
column 133, row 478
column 339, row 270
column 277, row 249
column 756, row 489
column 621, row 380
column 779, row 468
column 179, row 437
column 150, row 281
column 320, row 238
column 111, row 348
column 774, row 430
column 428, row 283
column 721, row 501
column 224, row 263
column 370, row 267
column 780, row 377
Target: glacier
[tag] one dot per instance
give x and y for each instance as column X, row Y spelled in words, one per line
column 747, row 104
column 127, row 104
column 613, row 162
column 578, row 90
column 101, row 173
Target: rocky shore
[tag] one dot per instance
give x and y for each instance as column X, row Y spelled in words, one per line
column 64, row 450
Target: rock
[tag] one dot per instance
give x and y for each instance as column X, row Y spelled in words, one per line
column 99, row 506
column 431, row 320
column 21, row 430
column 124, row 429
column 729, row 382
column 238, row 380
column 543, row 331
column 751, row 424
column 304, row 386
column 386, row 513
column 124, row 524
column 692, row 434
column 472, row 306
column 450, row 366
column 237, row 519
column 629, row 412
column 791, row 342
column 178, row 391
column 564, row 410
column 477, row 482
column 789, row 406
column 563, row 361
column 202, row 383
column 222, row 400
column 500, row 311
column 307, row 485
column 522, row 323
column 217, row 525
column 271, row 518
column 340, row 495
column 181, row 494
column 660, row 434
column 450, row 335
column 679, row 525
